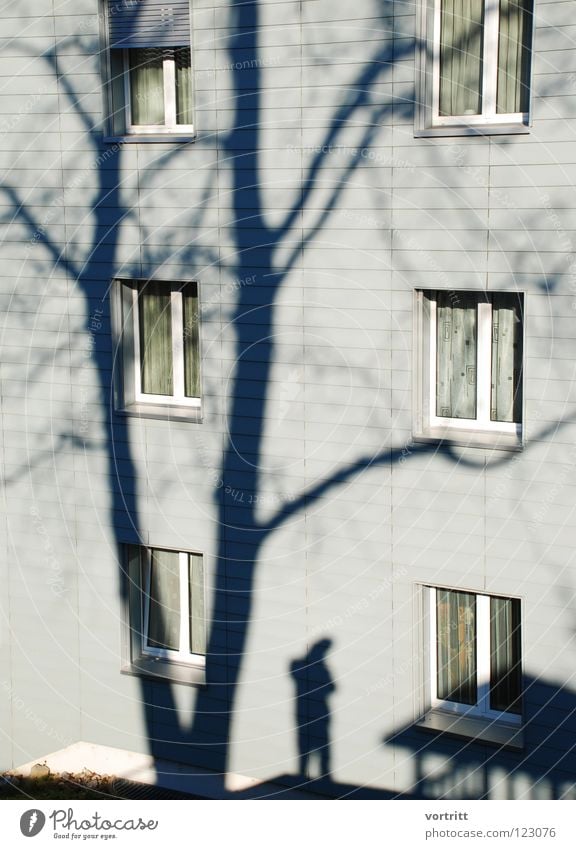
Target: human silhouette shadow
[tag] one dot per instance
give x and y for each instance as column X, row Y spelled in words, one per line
column 314, row 685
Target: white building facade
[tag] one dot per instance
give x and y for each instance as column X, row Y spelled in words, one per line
column 288, row 391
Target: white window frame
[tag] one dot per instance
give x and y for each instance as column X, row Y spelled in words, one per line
column 140, row 659
column 428, row 118
column 480, row 429
column 128, row 396
column 483, row 377
column 482, row 708
column 177, row 321
column 169, row 79
column 184, row 653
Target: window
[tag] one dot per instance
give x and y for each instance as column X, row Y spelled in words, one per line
column 475, row 654
column 149, row 68
column 475, row 65
column 151, row 90
column 470, row 348
column 474, row 666
column 166, row 618
column 158, row 328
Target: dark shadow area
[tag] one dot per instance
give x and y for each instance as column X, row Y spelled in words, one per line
column 258, row 247
column 449, row 767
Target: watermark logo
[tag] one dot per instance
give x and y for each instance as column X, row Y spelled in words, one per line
column 32, row 822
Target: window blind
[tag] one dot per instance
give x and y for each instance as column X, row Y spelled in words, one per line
column 148, row 23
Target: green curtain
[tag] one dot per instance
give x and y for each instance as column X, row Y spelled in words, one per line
column 191, row 341
column 156, row 339
column 461, row 44
column 183, row 85
column 505, row 666
column 197, row 623
column 456, row 355
column 456, row 646
column 514, row 56
column 506, row 401
column 147, row 86
column 164, row 602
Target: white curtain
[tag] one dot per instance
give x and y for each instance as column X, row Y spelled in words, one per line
column 147, row 86
column 456, row 646
column 155, row 317
column 461, row 40
column 514, row 55
column 164, row 600
column 506, row 401
column 456, row 355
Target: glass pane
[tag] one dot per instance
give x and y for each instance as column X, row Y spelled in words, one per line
column 183, row 85
column 197, row 624
column 506, row 397
column 514, row 55
column 117, row 88
column 505, row 663
column 164, row 600
column 461, row 44
column 191, row 341
column 155, row 339
column 147, row 86
column 456, row 346
column 456, row 646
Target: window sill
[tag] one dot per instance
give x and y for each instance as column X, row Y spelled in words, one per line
column 167, row 670
column 469, row 130
column 491, row 731
column 149, row 138
column 471, row 438
column 173, row 412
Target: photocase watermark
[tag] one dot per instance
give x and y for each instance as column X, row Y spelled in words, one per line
column 385, row 159
column 406, row 452
column 94, row 326
column 289, row 391
column 388, row 680
column 410, row 243
column 40, row 724
column 360, row 218
column 65, row 820
column 32, row 822
column 59, row 202
column 565, row 243
column 244, row 65
column 55, row 578
column 358, row 606
column 502, row 487
column 242, row 496
column 91, row 22
column 238, row 495
column 191, row 324
column 515, row 460
column 11, row 123
column 565, row 475
column 144, row 98
column 459, row 155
